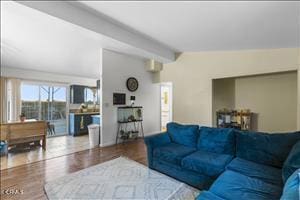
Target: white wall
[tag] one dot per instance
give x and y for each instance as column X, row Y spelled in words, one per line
column 192, row 75
column 116, row 68
column 45, row 76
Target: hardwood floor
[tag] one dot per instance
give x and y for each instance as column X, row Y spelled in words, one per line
column 31, row 178
column 56, row 146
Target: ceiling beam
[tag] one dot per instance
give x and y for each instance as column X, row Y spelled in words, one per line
column 77, row 13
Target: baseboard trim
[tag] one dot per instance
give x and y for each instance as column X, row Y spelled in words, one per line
column 107, row 144
column 113, row 142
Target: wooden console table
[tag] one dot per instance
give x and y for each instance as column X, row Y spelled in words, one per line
column 24, row 132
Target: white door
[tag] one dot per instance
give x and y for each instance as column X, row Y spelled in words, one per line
column 166, row 104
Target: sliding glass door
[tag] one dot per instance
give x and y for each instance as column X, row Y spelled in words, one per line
column 30, row 101
column 46, row 102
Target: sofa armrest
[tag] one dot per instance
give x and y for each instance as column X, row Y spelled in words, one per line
column 292, row 163
column 154, row 141
column 157, row 140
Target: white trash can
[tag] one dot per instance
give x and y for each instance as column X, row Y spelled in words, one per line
column 94, row 133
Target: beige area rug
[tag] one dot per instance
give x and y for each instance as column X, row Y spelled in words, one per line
column 120, row 178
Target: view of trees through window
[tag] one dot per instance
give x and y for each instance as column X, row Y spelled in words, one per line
column 45, row 102
column 88, row 96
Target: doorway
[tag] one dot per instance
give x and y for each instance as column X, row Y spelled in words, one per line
column 166, row 106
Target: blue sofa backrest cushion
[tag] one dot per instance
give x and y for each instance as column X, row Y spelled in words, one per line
column 292, row 163
column 217, row 140
column 183, row 134
column 291, row 187
column 265, row 148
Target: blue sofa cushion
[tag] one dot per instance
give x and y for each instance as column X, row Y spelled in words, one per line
column 234, row 186
column 194, row 179
column 255, row 170
column 217, row 140
column 292, row 163
column 291, row 188
column 269, row 149
column 183, row 134
column 208, row 163
column 207, row 195
column 172, row 153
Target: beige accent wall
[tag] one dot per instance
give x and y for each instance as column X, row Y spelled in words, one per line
column 298, row 119
column 223, row 95
column 192, row 75
column 272, row 98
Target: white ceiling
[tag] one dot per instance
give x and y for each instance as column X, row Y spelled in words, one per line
column 31, row 39
column 204, row 25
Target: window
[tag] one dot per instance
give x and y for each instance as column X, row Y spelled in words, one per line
column 88, row 96
column 45, row 102
column 30, row 101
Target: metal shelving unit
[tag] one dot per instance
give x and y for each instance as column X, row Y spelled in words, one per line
column 130, row 123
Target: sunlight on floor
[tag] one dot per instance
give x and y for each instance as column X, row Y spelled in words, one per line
column 56, row 146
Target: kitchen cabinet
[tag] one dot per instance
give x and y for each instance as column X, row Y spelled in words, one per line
column 78, row 123
column 77, row 94
column 96, row 119
column 83, row 94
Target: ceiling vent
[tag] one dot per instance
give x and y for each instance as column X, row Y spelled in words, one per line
column 153, row 66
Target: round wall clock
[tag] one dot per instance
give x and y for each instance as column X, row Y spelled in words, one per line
column 132, row 84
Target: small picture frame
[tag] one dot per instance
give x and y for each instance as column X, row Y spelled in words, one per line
column 119, row 99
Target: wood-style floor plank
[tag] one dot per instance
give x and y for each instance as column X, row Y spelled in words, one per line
column 31, row 177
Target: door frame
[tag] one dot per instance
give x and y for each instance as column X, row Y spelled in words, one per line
column 170, row 85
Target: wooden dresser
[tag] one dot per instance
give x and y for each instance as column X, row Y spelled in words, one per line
column 24, row 132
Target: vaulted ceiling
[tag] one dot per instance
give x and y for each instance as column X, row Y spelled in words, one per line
column 48, row 38
column 208, row 25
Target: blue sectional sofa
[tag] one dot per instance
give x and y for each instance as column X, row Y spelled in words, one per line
column 228, row 164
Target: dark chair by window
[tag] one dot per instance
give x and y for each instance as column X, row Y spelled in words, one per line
column 50, row 129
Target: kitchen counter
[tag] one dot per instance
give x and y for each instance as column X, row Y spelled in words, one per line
column 86, row 113
column 78, row 122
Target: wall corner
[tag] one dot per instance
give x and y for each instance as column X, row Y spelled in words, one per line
column 156, row 77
